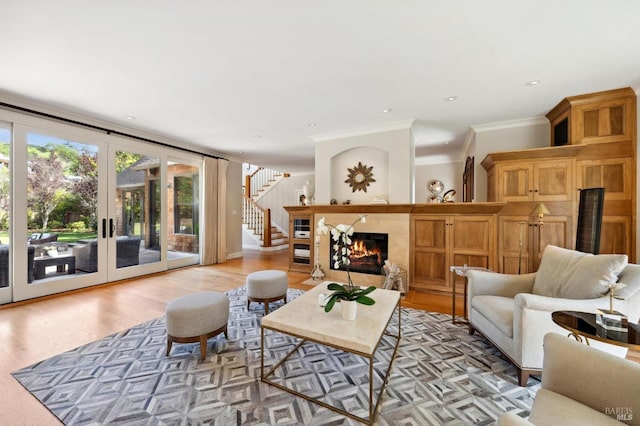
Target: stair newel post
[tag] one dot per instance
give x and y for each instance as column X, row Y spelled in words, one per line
column 267, row 228
column 247, row 186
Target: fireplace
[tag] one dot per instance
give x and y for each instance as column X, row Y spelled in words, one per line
column 368, row 253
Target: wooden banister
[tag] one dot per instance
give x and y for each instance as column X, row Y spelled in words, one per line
column 257, row 219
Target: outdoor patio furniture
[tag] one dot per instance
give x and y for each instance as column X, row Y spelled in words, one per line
column 44, row 238
column 127, row 254
column 4, row 264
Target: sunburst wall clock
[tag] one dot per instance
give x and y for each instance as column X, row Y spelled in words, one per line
column 359, row 177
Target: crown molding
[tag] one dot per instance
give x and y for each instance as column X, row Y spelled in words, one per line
column 509, row 124
column 398, row 125
column 56, row 111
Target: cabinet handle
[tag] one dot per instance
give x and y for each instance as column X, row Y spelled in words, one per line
column 535, row 190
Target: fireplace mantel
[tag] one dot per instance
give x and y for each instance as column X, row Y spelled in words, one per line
column 431, row 208
column 393, row 219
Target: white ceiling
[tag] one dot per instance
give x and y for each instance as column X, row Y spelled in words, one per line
column 246, row 78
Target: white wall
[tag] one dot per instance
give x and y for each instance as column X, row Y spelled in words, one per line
column 375, row 158
column 285, row 193
column 450, row 174
column 391, row 154
column 506, row 136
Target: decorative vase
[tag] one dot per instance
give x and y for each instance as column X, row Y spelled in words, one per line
column 307, row 190
column 349, row 309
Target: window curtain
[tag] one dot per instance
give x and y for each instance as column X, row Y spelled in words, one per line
column 214, row 238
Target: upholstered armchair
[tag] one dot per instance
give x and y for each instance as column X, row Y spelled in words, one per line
column 4, row 264
column 514, row 311
column 582, row 386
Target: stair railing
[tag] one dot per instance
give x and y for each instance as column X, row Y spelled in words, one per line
column 257, row 180
column 258, row 219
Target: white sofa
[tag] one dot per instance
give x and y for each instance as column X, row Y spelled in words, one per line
column 514, row 311
column 582, row 386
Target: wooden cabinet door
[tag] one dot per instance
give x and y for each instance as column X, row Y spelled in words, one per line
column 514, row 244
column 553, row 180
column 608, row 121
column 430, row 265
column 556, row 230
column 612, row 174
column 512, row 230
column 615, row 234
column 515, row 182
column 470, row 240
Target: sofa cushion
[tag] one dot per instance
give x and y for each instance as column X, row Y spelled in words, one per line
column 496, row 309
column 571, row 274
column 551, row 408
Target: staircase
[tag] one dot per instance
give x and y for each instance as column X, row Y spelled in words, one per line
column 255, row 218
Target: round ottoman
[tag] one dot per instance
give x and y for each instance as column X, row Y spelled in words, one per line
column 197, row 317
column 267, row 286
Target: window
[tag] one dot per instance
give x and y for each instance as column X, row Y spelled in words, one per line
column 185, row 204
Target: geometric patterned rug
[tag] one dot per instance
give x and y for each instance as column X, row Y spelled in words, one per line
column 441, row 375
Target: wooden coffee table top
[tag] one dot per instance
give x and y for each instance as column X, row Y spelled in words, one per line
column 304, row 317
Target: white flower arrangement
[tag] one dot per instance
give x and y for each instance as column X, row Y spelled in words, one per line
column 341, row 235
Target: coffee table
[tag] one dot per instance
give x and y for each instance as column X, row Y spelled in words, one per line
column 62, row 260
column 305, row 319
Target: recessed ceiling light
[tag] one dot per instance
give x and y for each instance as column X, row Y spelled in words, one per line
column 451, row 98
column 386, row 110
column 131, row 117
column 532, row 83
column 311, row 125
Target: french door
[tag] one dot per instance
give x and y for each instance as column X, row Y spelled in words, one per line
column 81, row 208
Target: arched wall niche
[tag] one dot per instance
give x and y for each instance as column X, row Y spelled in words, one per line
column 340, row 164
column 390, row 152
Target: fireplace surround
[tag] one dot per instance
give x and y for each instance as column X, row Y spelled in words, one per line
column 368, row 253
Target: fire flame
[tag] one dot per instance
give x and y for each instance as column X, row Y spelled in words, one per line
column 359, row 250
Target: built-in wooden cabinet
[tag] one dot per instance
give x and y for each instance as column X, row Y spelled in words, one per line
column 522, row 239
column 593, row 140
column 612, row 174
column 541, row 180
column 442, row 241
column 301, row 241
column 601, row 117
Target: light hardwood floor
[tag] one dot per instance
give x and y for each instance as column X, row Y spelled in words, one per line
column 35, row 330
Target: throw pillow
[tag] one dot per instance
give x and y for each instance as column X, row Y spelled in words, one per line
column 571, row 274
column 630, row 277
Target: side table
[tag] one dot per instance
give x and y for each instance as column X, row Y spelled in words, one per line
column 461, row 271
column 583, row 325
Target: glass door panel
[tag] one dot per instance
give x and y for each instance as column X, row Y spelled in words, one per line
column 183, row 214
column 136, row 219
column 5, row 208
column 62, row 198
column 59, row 214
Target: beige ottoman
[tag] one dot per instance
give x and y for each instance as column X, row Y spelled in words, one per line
column 197, row 317
column 267, row 286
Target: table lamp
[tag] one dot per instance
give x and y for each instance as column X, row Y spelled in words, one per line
column 540, row 210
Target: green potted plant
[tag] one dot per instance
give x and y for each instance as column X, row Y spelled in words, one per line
column 350, row 294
